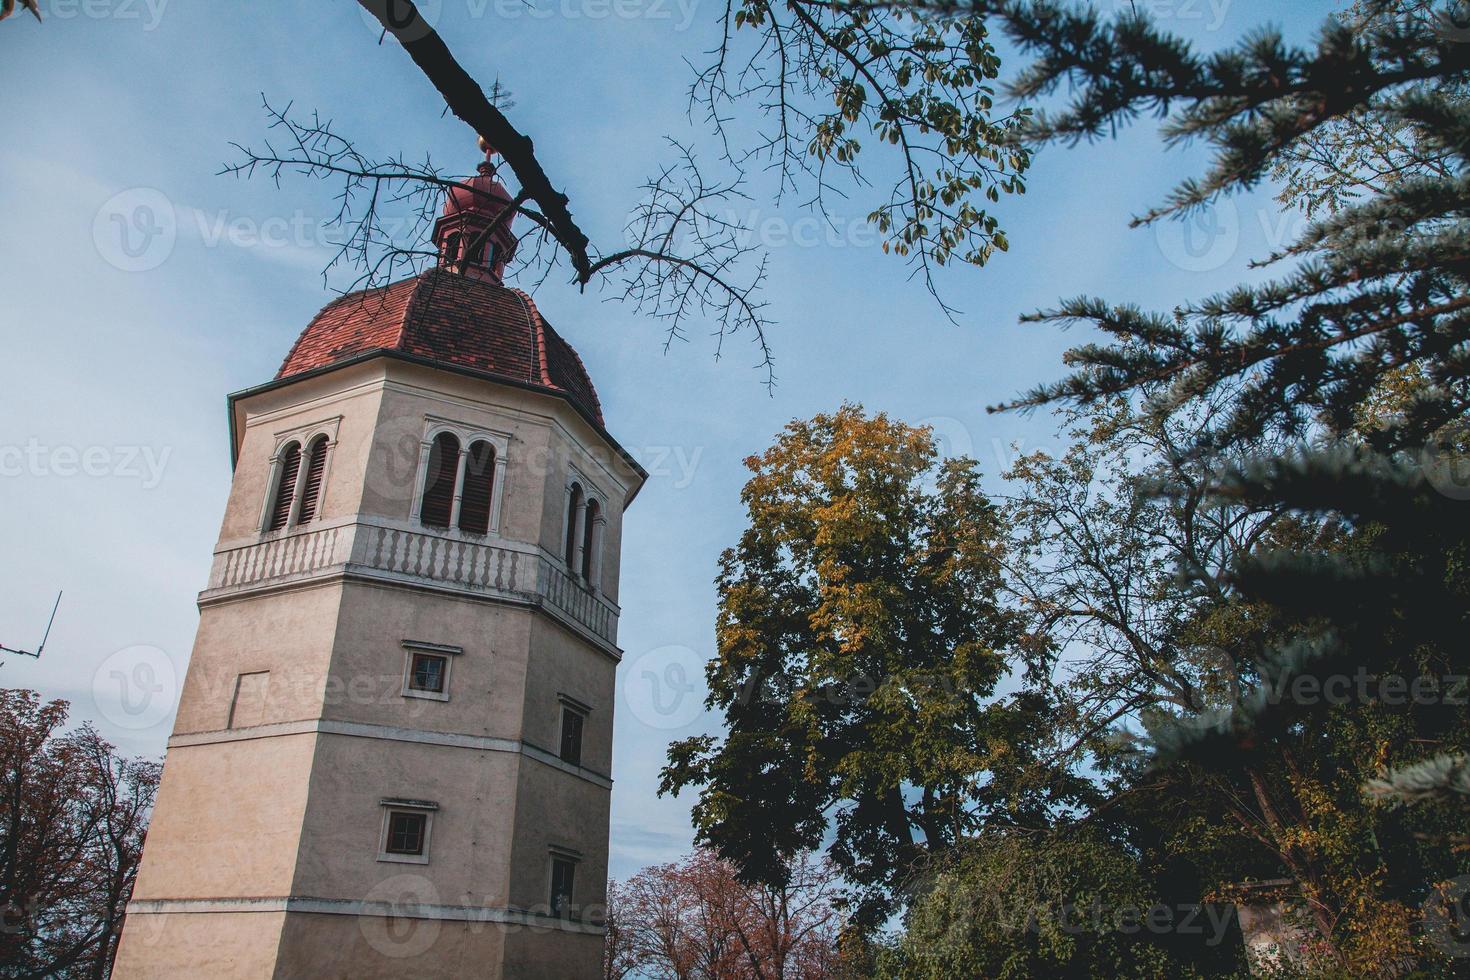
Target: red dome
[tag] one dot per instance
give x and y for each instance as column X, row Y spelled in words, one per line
column 455, row 320
column 461, row 199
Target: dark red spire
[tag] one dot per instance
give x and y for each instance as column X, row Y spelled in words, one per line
column 474, row 235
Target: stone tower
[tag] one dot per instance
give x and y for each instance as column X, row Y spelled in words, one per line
column 393, row 746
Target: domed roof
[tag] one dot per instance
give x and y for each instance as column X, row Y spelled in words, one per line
column 463, row 198
column 455, row 320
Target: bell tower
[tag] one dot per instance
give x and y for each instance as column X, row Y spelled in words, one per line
column 393, row 747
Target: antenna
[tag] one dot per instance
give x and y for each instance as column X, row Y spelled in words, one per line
column 44, row 637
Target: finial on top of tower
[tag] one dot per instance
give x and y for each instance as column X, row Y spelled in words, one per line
column 488, row 164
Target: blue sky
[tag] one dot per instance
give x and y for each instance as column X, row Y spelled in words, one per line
column 114, row 460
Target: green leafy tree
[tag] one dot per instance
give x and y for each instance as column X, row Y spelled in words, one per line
column 1066, row 904
column 1359, row 341
column 860, row 637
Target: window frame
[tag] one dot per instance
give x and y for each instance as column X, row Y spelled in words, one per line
column 582, row 544
column 417, row 648
column 305, row 436
column 427, row 809
column 572, row 858
column 468, row 435
column 571, row 706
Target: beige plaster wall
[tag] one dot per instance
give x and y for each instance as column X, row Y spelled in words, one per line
column 485, row 681
column 228, row 820
column 536, row 955
column 291, row 634
column 192, row 946
column 556, row 810
column 469, row 846
column 562, row 663
column 372, row 948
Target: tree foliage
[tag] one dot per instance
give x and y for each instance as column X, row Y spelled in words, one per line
column 860, row 636
column 72, row 819
column 1375, row 285
column 695, row 920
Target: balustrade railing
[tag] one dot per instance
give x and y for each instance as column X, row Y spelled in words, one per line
column 416, row 555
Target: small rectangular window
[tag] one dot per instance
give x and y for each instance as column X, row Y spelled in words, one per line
column 406, row 832
column 571, row 735
column 427, row 673
column 426, row 668
column 407, row 826
column 563, row 876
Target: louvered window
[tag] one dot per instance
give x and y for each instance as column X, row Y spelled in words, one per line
column 589, row 539
column 439, row 481
column 288, row 467
column 311, row 492
column 479, row 484
column 574, row 504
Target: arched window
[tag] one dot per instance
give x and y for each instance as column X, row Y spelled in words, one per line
column 311, row 491
column 288, row 466
column 574, row 507
column 479, row 484
column 439, row 480
column 589, row 539
column 451, row 248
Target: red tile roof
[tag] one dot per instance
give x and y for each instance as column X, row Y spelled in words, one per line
column 455, row 319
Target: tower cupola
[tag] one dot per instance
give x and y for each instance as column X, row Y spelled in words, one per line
column 473, row 235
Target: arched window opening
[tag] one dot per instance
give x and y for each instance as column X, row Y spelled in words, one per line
column 311, row 492
column 574, row 506
column 287, row 469
column 589, row 539
column 451, row 248
column 439, row 481
column 479, row 484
